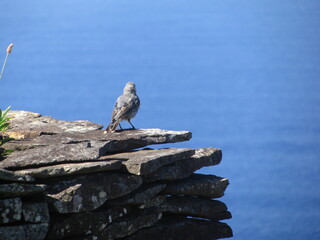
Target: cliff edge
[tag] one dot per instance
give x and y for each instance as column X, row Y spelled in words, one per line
column 70, row 180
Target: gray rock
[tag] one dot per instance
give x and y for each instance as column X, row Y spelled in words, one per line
column 131, row 139
column 111, row 142
column 140, row 196
column 86, row 193
column 85, row 223
column 78, row 147
column 48, row 140
column 33, row 124
column 144, row 162
column 128, row 225
column 6, row 175
column 25, row 232
column 182, row 229
column 102, row 203
column 87, row 237
column 28, row 124
column 198, row 185
column 52, row 154
column 154, row 202
column 196, row 207
column 71, row 168
column 61, row 138
column 181, row 169
column 11, row 210
column 20, row 189
column 35, row 212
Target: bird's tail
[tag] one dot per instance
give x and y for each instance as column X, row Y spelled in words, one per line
column 112, row 126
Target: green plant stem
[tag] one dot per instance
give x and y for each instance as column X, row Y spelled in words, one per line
column 4, row 65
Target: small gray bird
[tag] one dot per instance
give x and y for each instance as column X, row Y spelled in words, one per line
column 126, row 107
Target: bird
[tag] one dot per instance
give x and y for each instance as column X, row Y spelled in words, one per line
column 126, row 107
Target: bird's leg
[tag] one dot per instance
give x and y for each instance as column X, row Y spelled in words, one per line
column 131, row 124
column 120, row 126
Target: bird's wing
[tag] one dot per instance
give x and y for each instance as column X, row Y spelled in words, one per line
column 116, row 108
column 115, row 120
column 124, row 107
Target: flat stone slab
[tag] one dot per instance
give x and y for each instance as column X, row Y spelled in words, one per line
column 6, row 175
column 196, row 207
column 29, row 125
column 88, row 192
column 71, row 169
column 145, row 162
column 26, row 125
column 125, row 140
column 66, row 147
column 20, row 189
column 140, row 196
column 80, row 224
column 203, row 157
column 128, row 225
column 52, row 154
column 154, row 202
column 131, row 139
column 24, row 231
column 106, row 224
column 209, row 186
column 11, row 210
column 182, row 229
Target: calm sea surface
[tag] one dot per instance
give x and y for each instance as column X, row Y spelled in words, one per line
column 243, row 76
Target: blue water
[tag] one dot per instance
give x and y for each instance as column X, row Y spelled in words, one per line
column 241, row 75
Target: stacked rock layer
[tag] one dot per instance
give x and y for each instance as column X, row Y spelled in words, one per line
column 70, row 180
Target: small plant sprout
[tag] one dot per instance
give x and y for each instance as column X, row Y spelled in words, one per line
column 4, row 120
column 9, row 50
column 4, row 126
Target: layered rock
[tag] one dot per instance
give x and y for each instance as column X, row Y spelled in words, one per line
column 70, row 180
column 86, row 193
column 209, row 186
column 145, row 162
column 183, row 228
column 10, row 176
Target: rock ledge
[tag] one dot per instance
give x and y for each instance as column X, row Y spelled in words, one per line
column 70, row 180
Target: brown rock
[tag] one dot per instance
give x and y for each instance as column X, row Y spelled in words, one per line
column 144, row 162
column 181, row 169
column 198, row 185
column 86, row 193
